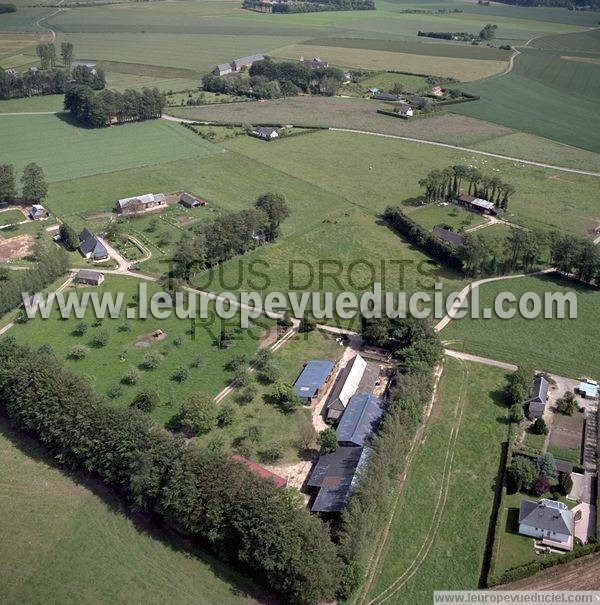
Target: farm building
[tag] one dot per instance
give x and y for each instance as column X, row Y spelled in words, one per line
column 405, row 110
column 477, row 204
column 223, row 69
column 548, row 520
column 314, row 377
column 245, row 62
column 140, row 203
column 437, row 91
column 265, row 132
column 385, row 96
column 314, row 63
column 37, row 212
column 589, row 389
column 334, row 476
column 260, row 471
column 346, row 385
column 89, row 277
column 537, row 402
column 451, row 238
column 360, row 419
column 91, row 247
column 191, row 201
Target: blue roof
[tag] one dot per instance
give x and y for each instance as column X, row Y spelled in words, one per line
column 335, row 476
column 360, row 419
column 313, row 377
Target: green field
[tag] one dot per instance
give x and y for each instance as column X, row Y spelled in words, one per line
column 105, row 366
column 440, row 525
column 565, row 347
column 434, row 215
column 88, row 548
column 85, row 151
column 541, row 90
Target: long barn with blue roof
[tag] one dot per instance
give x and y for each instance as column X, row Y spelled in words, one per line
column 313, row 379
column 360, row 419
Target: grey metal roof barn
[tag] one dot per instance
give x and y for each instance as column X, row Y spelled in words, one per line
column 360, row 419
column 447, row 236
column 238, row 64
column 547, row 515
column 335, row 475
column 313, row 377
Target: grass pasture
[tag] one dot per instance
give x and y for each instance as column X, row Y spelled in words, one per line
column 434, row 215
column 84, row 152
column 565, row 347
column 88, row 549
column 445, row 545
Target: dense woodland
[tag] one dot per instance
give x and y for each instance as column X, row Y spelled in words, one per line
column 99, row 109
column 52, row 81
column 570, row 4
column 271, row 80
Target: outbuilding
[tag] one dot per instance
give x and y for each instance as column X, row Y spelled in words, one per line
column 89, row 277
column 360, row 419
column 266, row 133
column 191, row 201
column 313, row 379
column 38, row 212
column 345, row 386
column 536, row 404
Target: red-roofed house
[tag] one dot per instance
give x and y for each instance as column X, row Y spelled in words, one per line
column 261, row 471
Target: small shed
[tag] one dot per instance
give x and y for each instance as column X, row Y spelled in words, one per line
column 589, row 389
column 190, row 201
column 89, row 277
column 37, row 212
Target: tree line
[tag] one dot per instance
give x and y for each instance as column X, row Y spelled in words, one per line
column 593, row 5
column 34, row 185
column 107, row 107
column 271, row 80
column 49, row 82
column 216, row 241
column 246, row 520
column 316, row 6
column 7, row 8
column 416, row 350
column 50, row 265
column 448, row 183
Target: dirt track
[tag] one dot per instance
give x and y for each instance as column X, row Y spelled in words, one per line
column 581, row 574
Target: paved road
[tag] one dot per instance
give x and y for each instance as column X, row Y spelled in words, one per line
column 469, row 150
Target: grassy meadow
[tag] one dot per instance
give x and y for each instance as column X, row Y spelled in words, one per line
column 84, row 151
column 566, row 347
column 71, row 540
column 431, row 528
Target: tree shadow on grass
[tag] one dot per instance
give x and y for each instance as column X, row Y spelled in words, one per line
column 146, row 523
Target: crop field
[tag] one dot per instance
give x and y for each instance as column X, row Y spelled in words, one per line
column 464, row 69
column 84, row 151
column 431, row 534
column 88, row 549
column 560, row 346
column 389, row 170
column 542, row 88
column 105, row 366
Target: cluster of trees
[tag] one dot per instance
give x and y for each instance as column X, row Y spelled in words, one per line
column 245, row 519
column 448, row 183
column 271, row 80
column 488, row 32
column 462, row 36
column 421, row 237
column 50, row 265
column 107, row 107
column 52, row 81
column 537, row 476
column 414, row 344
column 576, row 256
column 567, row 404
column 47, row 54
column 33, row 181
column 593, row 5
column 315, row 6
column 232, row 234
